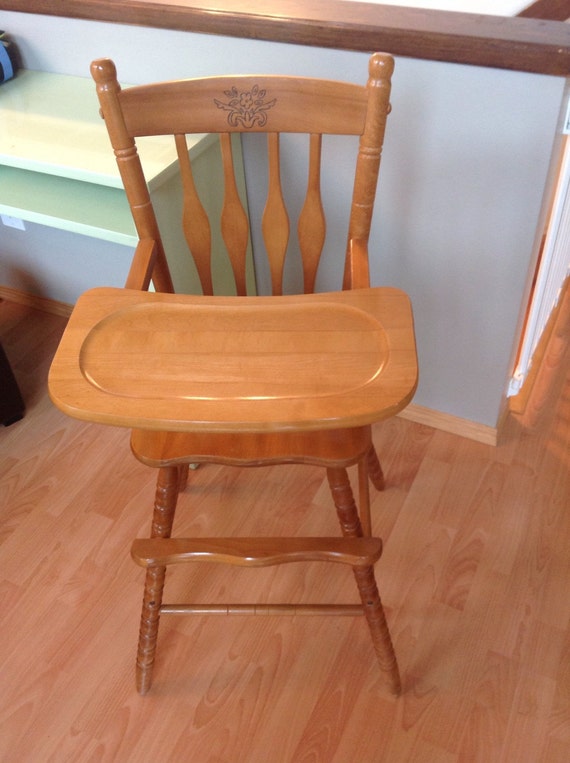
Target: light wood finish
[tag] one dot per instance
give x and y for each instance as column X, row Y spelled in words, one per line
column 474, row 578
column 333, row 447
column 288, row 610
column 275, row 222
column 249, row 381
column 413, row 412
column 465, row 38
column 311, row 227
column 142, row 266
column 252, row 104
column 157, row 552
column 227, row 364
column 195, row 222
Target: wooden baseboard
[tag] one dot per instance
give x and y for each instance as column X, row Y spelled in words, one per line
column 452, row 424
column 37, row 303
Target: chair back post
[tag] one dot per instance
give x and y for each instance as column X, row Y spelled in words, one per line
column 380, row 70
column 104, row 73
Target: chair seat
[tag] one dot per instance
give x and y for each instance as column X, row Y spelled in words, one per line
column 183, row 363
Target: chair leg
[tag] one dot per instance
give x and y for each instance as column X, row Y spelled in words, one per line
column 182, row 477
column 369, row 470
column 167, row 488
column 343, row 498
column 375, row 470
column 365, row 580
column 364, row 497
column 381, row 639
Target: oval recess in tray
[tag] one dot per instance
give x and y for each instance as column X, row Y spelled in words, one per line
column 183, row 351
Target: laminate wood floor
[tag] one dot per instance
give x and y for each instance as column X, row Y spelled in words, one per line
column 475, row 578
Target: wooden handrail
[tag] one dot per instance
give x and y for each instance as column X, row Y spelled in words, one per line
column 552, row 10
column 504, row 42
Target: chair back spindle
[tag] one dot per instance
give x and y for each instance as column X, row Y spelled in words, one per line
column 311, row 228
column 195, row 219
column 275, row 223
column 234, row 221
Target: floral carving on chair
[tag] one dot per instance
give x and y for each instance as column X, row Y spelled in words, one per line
column 246, row 109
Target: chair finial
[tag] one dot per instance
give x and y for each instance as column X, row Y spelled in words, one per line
column 103, row 71
column 380, row 66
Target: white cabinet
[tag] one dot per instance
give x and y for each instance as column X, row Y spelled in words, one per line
column 58, row 171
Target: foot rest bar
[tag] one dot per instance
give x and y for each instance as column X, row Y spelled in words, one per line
column 256, row 552
column 351, row 610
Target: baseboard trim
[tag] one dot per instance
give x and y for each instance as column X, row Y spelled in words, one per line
column 452, row 424
column 37, row 303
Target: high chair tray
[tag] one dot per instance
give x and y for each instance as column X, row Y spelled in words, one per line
column 190, row 363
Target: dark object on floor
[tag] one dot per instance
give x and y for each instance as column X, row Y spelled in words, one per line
column 9, row 59
column 11, row 402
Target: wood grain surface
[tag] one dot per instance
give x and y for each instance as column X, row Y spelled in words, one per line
column 236, row 364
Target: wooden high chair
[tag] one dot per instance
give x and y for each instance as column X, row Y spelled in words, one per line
column 246, row 380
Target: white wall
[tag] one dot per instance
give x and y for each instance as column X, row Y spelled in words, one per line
column 490, row 7
column 466, row 157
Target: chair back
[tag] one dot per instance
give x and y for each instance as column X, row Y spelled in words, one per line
column 229, row 105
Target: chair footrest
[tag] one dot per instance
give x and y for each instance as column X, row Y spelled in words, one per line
column 256, row 552
column 350, row 610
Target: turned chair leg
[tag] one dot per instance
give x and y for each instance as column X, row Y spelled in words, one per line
column 365, row 580
column 376, row 619
column 167, row 487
